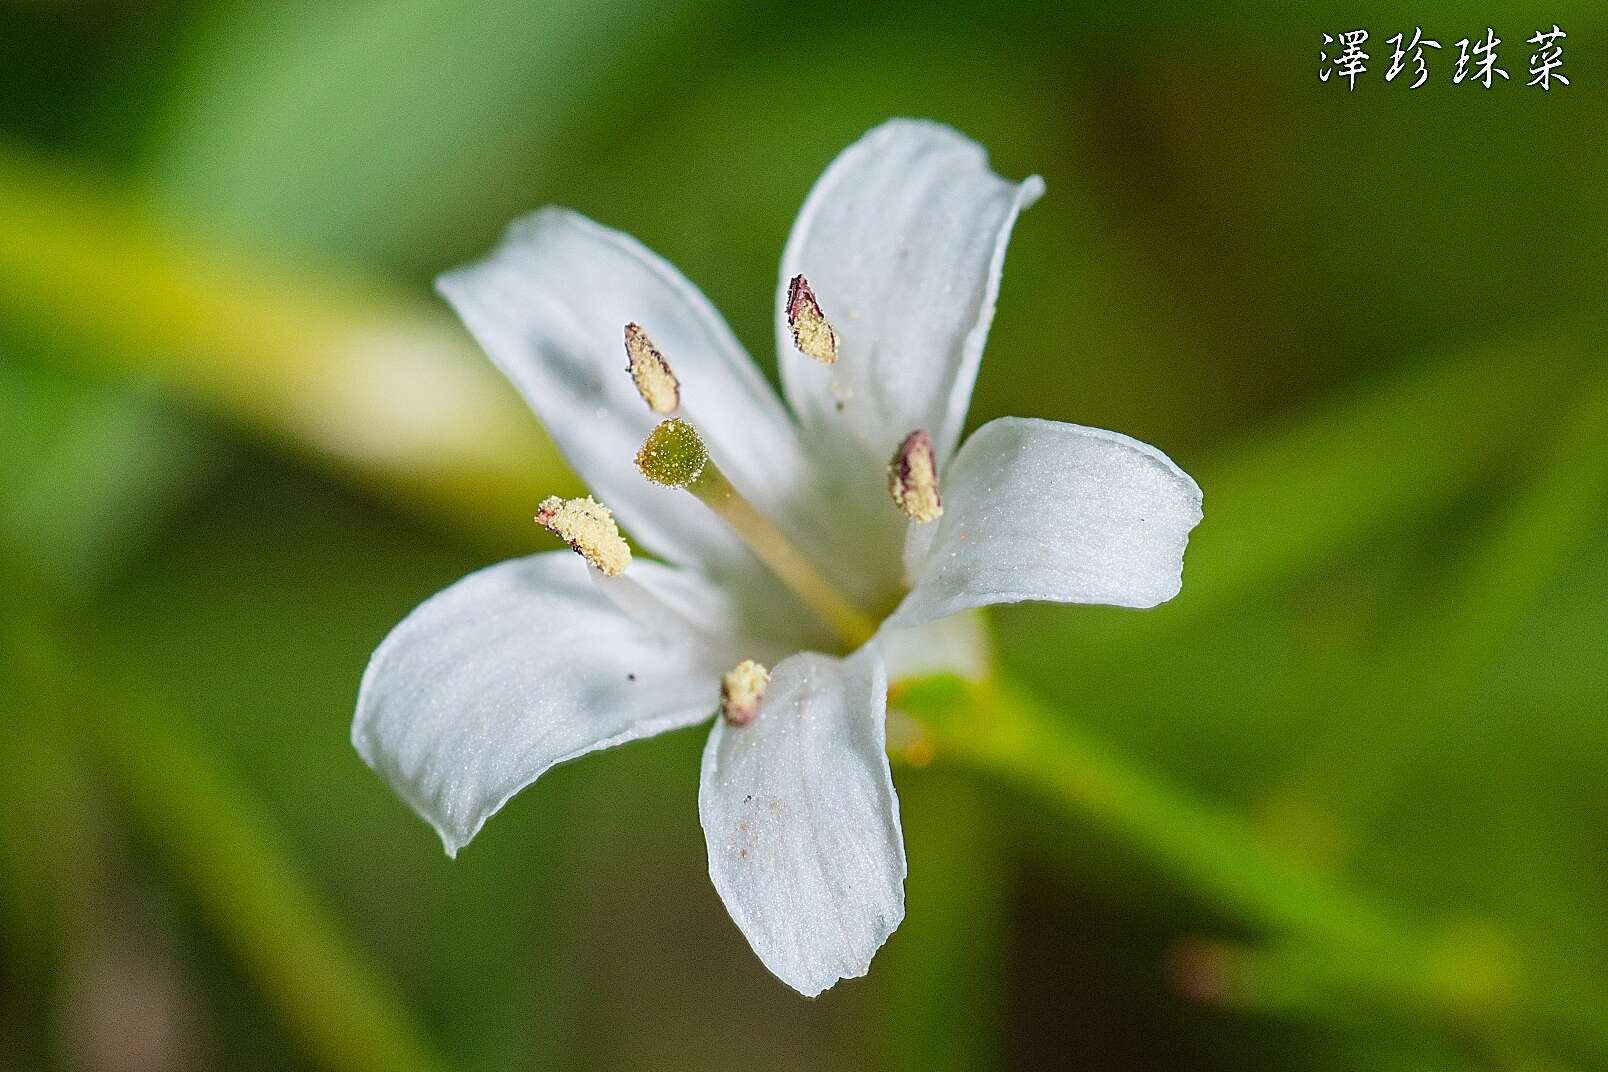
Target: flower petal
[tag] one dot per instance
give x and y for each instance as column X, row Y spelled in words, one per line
column 903, row 242
column 958, row 644
column 802, row 823
column 1043, row 510
column 550, row 305
column 520, row 666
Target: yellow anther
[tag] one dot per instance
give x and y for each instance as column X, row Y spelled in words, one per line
column 588, row 527
column 651, row 373
column 741, row 689
column 913, row 478
column 812, row 334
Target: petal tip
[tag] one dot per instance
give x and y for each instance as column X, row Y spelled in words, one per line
column 813, row 984
column 1029, row 191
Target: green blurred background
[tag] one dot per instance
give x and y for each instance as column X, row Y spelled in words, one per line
column 1340, row 806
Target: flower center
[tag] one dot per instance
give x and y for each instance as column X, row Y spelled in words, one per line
column 674, row 455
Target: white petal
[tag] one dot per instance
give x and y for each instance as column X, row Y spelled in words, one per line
column 958, row 644
column 903, row 241
column 550, row 305
column 802, row 822
column 520, row 666
column 1043, row 510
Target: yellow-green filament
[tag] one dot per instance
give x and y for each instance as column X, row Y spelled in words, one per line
column 674, row 455
column 716, row 492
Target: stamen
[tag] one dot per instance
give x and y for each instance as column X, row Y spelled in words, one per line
column 741, row 689
column 655, row 382
column 913, row 478
column 588, row 527
column 812, row 334
column 674, row 455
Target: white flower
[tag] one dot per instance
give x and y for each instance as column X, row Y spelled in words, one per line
column 786, row 550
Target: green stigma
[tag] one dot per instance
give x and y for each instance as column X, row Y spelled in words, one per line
column 673, row 454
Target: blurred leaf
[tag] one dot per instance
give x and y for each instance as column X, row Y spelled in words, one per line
column 1435, row 671
column 1486, row 809
column 362, row 377
column 1390, row 454
column 1313, row 527
column 91, row 474
column 379, row 128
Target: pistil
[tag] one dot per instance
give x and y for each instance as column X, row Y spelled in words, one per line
column 674, row 455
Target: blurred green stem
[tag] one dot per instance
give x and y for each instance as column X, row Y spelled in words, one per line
column 997, row 730
column 52, row 869
column 940, row 975
column 1400, row 965
column 211, row 833
column 203, row 826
